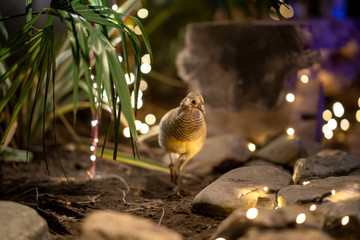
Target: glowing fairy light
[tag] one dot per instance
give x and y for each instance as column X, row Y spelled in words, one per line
column 143, row 85
column 327, row 115
column 333, row 192
column 114, row 7
column 118, row 40
column 329, row 134
column 92, row 77
column 252, row 213
column 338, row 109
column 252, row 147
column 137, row 30
column 139, row 103
column 145, row 68
column 359, row 102
column 92, row 157
column 266, row 189
column 142, row 13
column 131, row 79
column 358, row 115
column 92, row 148
column 301, row 218
column 286, row 10
column 95, row 85
column 304, row 78
column 332, row 123
column 345, row 220
column 290, row 131
column 306, row 182
column 131, row 27
column 144, row 128
column 220, row 238
column 96, row 140
column 94, row 122
column 313, row 207
column 150, row 119
column 120, row 58
column 126, row 132
column 138, row 124
column 290, row 97
column 145, row 58
column 344, row 124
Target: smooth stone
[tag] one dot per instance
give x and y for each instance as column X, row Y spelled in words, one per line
column 316, row 191
column 216, row 150
column 325, row 164
column 285, row 150
column 20, row 222
column 241, row 188
column 238, row 225
column 111, row 225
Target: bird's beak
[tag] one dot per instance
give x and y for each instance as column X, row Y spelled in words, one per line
column 202, row 108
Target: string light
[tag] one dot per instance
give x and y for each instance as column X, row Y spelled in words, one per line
column 306, row 182
column 96, row 140
column 290, row 131
column 252, row 213
column 327, row 115
column 344, row 124
column 126, row 132
column 145, row 68
column 138, row 124
column 142, row 13
column 150, row 119
column 143, row 85
column 345, row 220
column 359, row 102
column 301, row 218
column 137, row 30
column 145, row 58
column 332, row 123
column 94, row 122
column 92, row 148
column 120, row 58
column 131, row 79
column 266, row 189
column 252, row 147
column 114, row 7
column 92, row 77
column 95, row 85
column 329, row 134
column 144, row 128
column 358, row 115
column 338, row 109
column 333, row 192
column 93, row 158
column 304, row 78
column 313, row 207
column 290, row 97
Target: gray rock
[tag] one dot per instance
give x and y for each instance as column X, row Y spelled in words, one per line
column 269, row 222
column 293, row 234
column 20, row 222
column 111, row 225
column 317, row 191
column 325, row 164
column 261, row 162
column 254, row 62
column 241, row 188
column 285, row 150
column 216, row 150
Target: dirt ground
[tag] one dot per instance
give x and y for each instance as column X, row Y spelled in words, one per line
column 119, row 187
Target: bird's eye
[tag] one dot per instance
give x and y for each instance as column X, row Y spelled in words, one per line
column 193, row 102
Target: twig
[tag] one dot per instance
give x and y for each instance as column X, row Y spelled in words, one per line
column 162, row 216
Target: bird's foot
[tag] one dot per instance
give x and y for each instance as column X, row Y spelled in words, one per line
column 173, row 174
column 178, row 192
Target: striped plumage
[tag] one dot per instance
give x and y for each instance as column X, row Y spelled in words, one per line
column 183, row 131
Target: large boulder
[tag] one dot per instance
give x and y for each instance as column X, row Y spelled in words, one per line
column 244, row 188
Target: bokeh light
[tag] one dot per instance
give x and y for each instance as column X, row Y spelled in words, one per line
column 345, row 220
column 290, row 131
column 304, row 78
column 252, row 147
column 327, row 115
column 142, row 13
column 301, row 218
column 344, row 124
column 338, row 109
column 252, row 213
column 150, row 119
column 290, row 97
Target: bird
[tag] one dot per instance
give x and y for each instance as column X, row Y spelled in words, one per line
column 183, row 131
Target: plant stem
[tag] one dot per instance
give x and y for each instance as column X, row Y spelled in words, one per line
column 21, row 15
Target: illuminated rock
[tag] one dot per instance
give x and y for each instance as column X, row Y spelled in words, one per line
column 241, row 188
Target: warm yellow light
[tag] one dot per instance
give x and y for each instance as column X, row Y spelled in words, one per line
column 359, row 102
column 144, row 128
column 130, row 79
column 266, row 189
column 313, row 207
column 306, row 182
column 273, row 14
column 304, row 78
column 126, row 132
column 329, row 134
column 150, row 119
column 344, row 124
column 137, row 30
column 286, row 10
column 333, row 192
column 332, row 123
column 290, row 97
column 338, row 109
column 252, row 213
column 145, row 68
column 142, row 13
column 143, row 85
column 345, row 220
column 300, row 218
column 96, row 140
column 146, row 58
column 220, row 238
column 290, row 131
column 252, row 147
column 327, row 115
column 358, row 115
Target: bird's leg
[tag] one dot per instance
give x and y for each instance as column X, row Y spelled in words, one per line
column 173, row 174
column 182, row 160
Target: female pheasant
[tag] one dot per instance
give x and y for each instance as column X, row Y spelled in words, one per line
column 183, row 131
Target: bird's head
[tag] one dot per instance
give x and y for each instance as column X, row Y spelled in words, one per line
column 192, row 101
